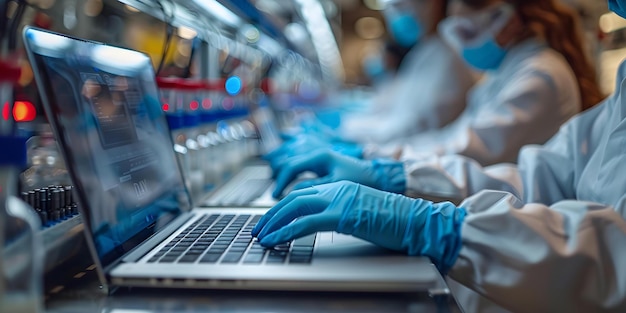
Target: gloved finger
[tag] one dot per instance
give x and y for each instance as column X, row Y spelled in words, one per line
column 294, row 167
column 288, row 137
column 279, row 161
column 301, row 206
column 271, row 212
column 276, row 165
column 349, row 149
column 313, row 182
column 287, row 150
column 301, row 227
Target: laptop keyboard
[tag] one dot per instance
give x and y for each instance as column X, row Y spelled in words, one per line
column 227, row 239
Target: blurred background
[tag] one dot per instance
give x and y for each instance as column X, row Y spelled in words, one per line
column 330, row 42
column 225, row 57
column 292, row 51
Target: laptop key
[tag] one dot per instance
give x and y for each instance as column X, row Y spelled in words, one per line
column 255, row 258
column 306, row 241
column 189, row 258
column 257, row 250
column 195, row 250
column 231, row 257
column 237, row 249
column 216, row 250
column 301, row 254
column 299, row 260
column 278, row 253
column 168, row 259
column 275, row 259
column 210, row 258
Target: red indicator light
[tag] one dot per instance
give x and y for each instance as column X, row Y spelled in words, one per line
column 194, row 105
column 166, row 107
column 24, row 111
column 5, row 111
column 207, row 103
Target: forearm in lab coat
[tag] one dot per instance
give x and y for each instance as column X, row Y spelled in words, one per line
column 567, row 257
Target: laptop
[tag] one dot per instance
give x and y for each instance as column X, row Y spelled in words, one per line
column 140, row 225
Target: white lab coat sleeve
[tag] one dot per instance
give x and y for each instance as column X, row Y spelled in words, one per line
column 567, row 257
column 429, row 95
column 528, row 113
column 456, row 177
column 545, row 252
column 544, row 174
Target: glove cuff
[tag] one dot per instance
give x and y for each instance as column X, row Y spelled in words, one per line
column 390, row 175
column 443, row 229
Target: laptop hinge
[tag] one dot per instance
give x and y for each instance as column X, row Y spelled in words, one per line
column 142, row 249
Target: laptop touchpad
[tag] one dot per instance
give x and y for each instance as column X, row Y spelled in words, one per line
column 332, row 244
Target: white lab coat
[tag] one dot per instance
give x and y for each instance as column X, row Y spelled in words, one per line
column 427, row 93
column 556, row 242
column 524, row 101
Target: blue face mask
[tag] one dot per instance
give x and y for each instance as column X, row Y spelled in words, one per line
column 474, row 36
column 486, row 56
column 405, row 30
column 619, row 7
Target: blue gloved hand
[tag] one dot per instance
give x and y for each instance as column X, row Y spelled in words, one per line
column 414, row 226
column 312, row 126
column 330, row 118
column 386, row 175
column 303, row 144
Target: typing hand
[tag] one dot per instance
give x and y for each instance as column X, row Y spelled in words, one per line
column 414, row 226
column 330, row 167
column 302, row 144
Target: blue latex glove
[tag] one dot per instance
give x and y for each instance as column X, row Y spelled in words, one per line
column 414, row 226
column 330, row 118
column 314, row 127
column 303, row 144
column 386, row 175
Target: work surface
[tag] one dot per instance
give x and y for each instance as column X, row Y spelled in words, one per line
column 83, row 294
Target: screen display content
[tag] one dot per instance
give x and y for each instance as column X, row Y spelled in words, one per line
column 103, row 104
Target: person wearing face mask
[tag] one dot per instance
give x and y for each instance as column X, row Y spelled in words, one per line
column 429, row 89
column 545, row 235
column 537, row 76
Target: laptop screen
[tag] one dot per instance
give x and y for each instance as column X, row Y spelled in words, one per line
column 102, row 104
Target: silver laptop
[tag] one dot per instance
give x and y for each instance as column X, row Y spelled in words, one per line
column 140, row 226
